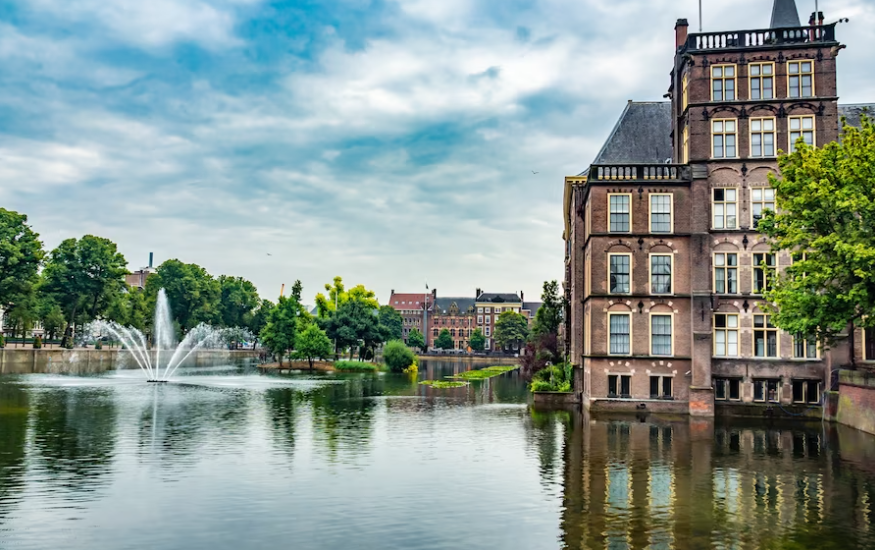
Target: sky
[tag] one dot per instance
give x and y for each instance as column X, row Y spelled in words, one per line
column 394, row 143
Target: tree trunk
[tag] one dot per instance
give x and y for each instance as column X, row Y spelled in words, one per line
column 311, row 362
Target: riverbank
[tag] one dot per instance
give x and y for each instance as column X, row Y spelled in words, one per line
column 470, row 359
column 95, row 361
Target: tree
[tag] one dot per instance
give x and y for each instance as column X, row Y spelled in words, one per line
column 313, row 343
column 415, row 339
column 444, row 340
column 21, row 253
column 237, row 300
column 326, row 306
column 84, row 276
column 826, row 219
column 549, row 317
column 511, row 328
column 279, row 333
column 194, row 295
column 398, row 356
column 257, row 320
column 355, row 325
column 393, row 323
column 478, row 340
column 51, row 316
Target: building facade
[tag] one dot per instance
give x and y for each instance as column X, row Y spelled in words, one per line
column 414, row 309
column 664, row 267
column 457, row 316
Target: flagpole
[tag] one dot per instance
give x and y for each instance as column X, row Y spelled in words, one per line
column 700, row 15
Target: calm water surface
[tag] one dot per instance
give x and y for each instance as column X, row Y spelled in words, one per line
column 229, row 459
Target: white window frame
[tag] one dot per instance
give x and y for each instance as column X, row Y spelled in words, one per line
column 756, row 266
column 806, row 343
column 629, row 256
column 801, row 131
column 629, row 213
column 762, row 132
column 726, row 268
column 790, row 74
column 723, row 78
column 724, row 203
column 670, row 212
column 726, row 332
column 671, row 335
column 661, row 385
column 723, row 131
column 629, row 317
column 762, row 77
column 767, row 318
column 617, row 394
column 650, row 273
column 761, row 202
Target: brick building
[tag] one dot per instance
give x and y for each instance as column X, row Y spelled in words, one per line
column 456, row 314
column 663, row 262
column 414, row 309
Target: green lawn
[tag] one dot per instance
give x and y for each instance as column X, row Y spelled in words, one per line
column 355, row 366
column 483, row 374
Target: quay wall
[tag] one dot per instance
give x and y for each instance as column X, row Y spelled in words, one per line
column 856, row 406
column 92, row 361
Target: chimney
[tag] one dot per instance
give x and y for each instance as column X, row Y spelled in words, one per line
column 522, row 296
column 816, row 19
column 681, row 29
column 151, row 257
column 477, row 293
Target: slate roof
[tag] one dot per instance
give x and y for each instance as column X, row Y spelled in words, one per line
column 641, row 135
column 498, row 297
column 533, row 307
column 853, row 113
column 785, row 14
column 408, row 301
column 443, row 304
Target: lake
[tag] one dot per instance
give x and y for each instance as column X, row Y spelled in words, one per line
column 227, row 458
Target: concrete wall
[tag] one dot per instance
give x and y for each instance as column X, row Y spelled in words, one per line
column 857, row 400
column 90, row 361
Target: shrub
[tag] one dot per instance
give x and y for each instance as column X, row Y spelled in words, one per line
column 555, row 378
column 354, row 366
column 37, row 343
column 98, row 345
column 2, row 341
column 398, row 356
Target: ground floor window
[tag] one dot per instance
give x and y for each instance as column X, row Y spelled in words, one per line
column 869, row 344
column 620, row 385
column 766, row 391
column 727, row 389
column 661, row 387
column 804, row 349
column 806, row 391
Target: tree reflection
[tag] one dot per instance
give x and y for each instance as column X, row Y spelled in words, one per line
column 343, row 416
column 14, row 408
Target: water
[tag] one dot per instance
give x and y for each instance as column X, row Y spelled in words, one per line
column 230, row 459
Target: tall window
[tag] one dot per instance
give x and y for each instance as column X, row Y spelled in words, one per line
column 801, row 127
column 765, row 336
column 724, row 208
column 804, row 348
column 686, row 144
column 619, row 385
column 763, row 270
column 761, row 199
column 620, row 213
column 660, row 273
column 723, row 83
column 660, row 387
column 726, row 273
column 725, row 335
column 660, row 335
column 620, row 333
column 869, row 344
column 660, row 213
column 800, row 76
column 620, row 266
column 762, row 80
column 762, row 137
column 685, row 91
column 723, row 139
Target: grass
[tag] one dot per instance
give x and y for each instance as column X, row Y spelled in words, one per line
column 355, row 366
column 483, row 374
column 443, row 384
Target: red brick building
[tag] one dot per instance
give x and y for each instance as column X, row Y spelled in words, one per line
column 663, row 264
column 414, row 309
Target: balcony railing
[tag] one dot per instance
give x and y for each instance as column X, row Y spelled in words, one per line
column 639, row 172
column 761, row 38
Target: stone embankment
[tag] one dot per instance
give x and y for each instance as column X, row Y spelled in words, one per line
column 92, row 361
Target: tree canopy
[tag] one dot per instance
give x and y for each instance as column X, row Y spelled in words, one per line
column 444, row 340
column 392, row 321
column 511, row 328
column 193, row 293
column 549, row 317
column 826, row 219
column 415, row 339
column 21, row 253
column 313, row 343
column 278, row 334
column 478, row 340
column 338, row 296
column 238, row 299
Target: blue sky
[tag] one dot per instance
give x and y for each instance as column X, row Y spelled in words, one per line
column 389, row 142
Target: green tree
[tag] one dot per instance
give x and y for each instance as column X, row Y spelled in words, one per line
column 398, row 356
column 478, row 340
column 313, row 343
column 444, row 340
column 51, row 316
column 415, row 339
column 826, row 219
column 238, row 299
column 511, row 328
column 193, row 293
column 84, row 276
column 257, row 320
column 21, row 254
column 279, row 333
column 356, row 326
column 392, row 321
column 549, row 317
column 326, row 306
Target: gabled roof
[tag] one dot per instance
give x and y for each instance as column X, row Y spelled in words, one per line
column 532, row 306
column 641, row 135
column 853, row 113
column 785, row 14
column 443, row 305
column 409, row 301
column 499, row 297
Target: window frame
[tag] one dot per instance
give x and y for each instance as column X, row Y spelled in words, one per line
column 686, row 144
column 806, row 342
column 761, row 77
column 671, row 334
column 650, row 273
column 627, row 195
column 685, row 91
column 762, row 133
column 629, row 255
column 727, row 329
column 724, row 133
column 728, row 389
column 766, row 329
column 628, row 315
column 756, row 266
column 723, row 78
column 762, row 202
column 766, row 381
column 866, row 337
column 660, row 395
column 619, row 385
column 791, row 147
column 725, row 267
column 806, row 385
column 724, row 202
column 800, row 74
column 670, row 196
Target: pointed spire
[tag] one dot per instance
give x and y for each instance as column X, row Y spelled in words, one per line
column 785, row 14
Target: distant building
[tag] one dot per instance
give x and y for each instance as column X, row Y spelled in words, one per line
column 137, row 279
column 489, row 307
column 457, row 316
column 414, row 310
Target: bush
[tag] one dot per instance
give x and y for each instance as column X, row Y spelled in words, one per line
column 37, row 343
column 98, row 345
column 555, row 378
column 398, row 356
column 2, row 341
column 354, row 366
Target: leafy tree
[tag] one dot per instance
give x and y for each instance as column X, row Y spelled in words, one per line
column 21, row 253
column 238, row 299
column 51, row 316
column 84, row 276
column 279, row 333
column 392, row 322
column 826, row 218
column 444, row 340
column 549, row 317
column 511, row 328
column 398, row 356
column 356, row 325
column 326, row 306
column 23, row 314
column 415, row 339
column 257, row 320
column 193, row 293
column 478, row 340
column 313, row 343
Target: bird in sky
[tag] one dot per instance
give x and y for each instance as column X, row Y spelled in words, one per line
column 269, row 254
column 535, row 172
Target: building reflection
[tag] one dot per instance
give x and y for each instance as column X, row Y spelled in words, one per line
column 646, row 483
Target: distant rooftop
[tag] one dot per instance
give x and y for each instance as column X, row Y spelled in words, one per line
column 785, row 14
column 641, row 135
column 854, row 113
column 498, row 297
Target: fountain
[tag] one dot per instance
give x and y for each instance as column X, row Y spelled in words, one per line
column 165, row 355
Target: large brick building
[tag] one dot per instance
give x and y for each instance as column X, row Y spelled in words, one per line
column 663, row 262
